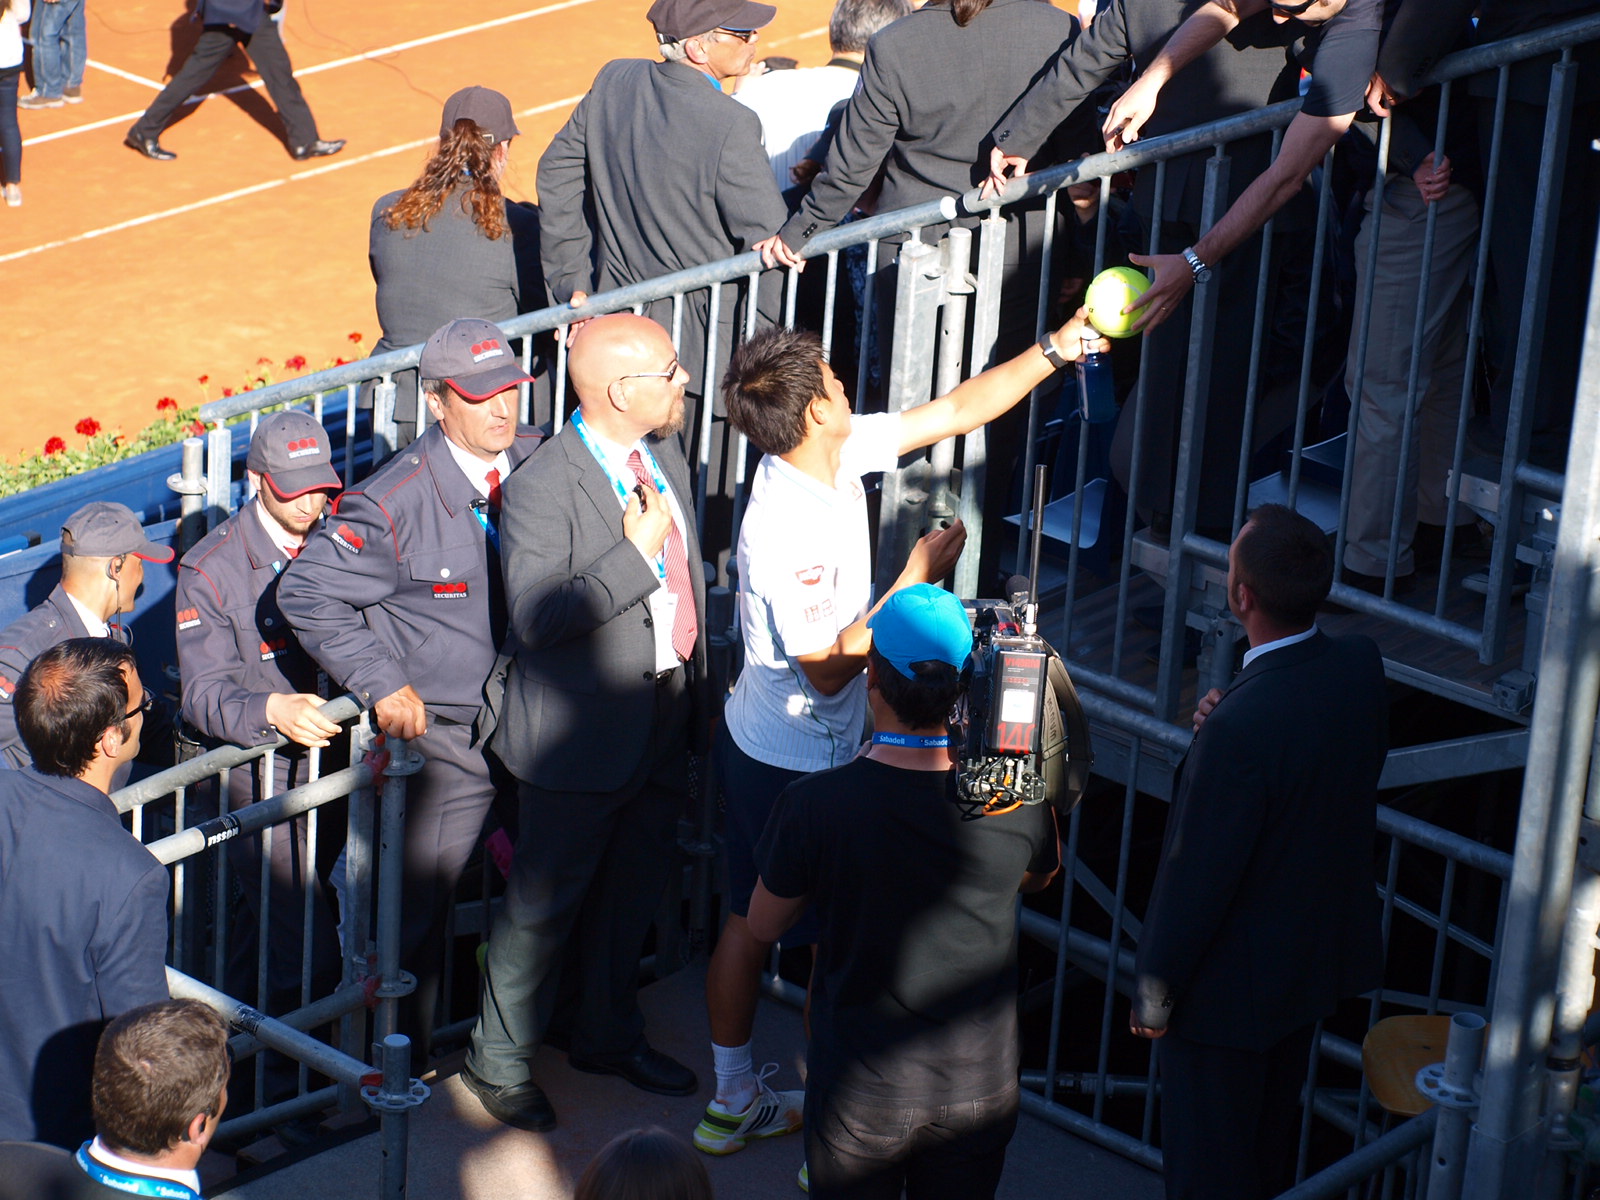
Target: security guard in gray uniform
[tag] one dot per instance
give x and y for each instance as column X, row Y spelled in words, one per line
column 103, row 552
column 246, row 679
column 400, row 598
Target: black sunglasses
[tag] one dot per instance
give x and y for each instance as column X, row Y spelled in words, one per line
column 1291, row 10
column 145, row 706
column 749, row 35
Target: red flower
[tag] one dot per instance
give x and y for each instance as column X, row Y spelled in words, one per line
column 297, row 363
column 166, row 404
column 339, row 362
column 356, row 338
column 263, row 362
column 204, row 379
column 196, row 428
column 226, row 392
column 88, row 427
column 54, row 446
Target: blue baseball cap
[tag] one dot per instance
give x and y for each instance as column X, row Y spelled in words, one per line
column 922, row 623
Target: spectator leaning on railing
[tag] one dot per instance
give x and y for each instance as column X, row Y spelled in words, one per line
column 85, row 930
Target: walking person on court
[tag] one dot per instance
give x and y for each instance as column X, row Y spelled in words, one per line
column 12, row 14
column 229, row 23
column 60, row 53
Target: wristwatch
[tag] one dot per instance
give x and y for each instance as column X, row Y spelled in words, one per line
column 1051, row 353
column 1202, row 273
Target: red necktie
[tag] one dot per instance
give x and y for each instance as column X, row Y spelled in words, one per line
column 683, row 624
column 493, row 480
column 293, row 551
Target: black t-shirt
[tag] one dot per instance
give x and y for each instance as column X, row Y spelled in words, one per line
column 1341, row 55
column 915, row 991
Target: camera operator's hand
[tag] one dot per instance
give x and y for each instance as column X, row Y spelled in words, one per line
column 647, row 521
column 1203, row 709
column 934, row 556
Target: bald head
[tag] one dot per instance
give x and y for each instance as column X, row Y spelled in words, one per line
column 625, row 370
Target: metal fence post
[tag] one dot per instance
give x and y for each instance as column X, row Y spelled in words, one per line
column 958, row 286
column 392, row 981
column 190, row 483
column 1452, row 1085
column 385, row 437
column 219, row 474
column 1505, row 1141
column 393, row 1099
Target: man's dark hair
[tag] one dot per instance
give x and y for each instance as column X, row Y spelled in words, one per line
column 924, row 698
column 854, row 21
column 769, row 382
column 157, row 1067
column 68, row 697
column 1286, row 561
column 645, row 1164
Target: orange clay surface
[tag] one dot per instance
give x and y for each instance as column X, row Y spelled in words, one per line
column 125, row 280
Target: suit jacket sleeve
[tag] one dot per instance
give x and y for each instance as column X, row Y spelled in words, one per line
column 131, row 948
column 1084, row 63
column 214, row 702
column 13, row 662
column 353, row 564
column 1423, row 32
column 748, row 200
column 1217, row 818
column 566, row 243
column 871, row 120
column 557, row 589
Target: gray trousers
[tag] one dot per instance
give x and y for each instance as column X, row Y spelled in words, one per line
column 1440, row 361
column 588, row 875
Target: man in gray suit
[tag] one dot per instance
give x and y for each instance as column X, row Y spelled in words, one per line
column 607, row 599
column 675, row 176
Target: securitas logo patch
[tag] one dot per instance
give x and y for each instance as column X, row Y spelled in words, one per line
column 272, row 648
column 450, row 591
column 347, row 538
column 188, row 618
column 487, row 349
column 810, row 576
column 301, row 447
column 6, row 688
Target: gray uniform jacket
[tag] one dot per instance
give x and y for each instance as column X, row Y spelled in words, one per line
column 235, row 647
column 673, row 174
column 83, row 937
column 22, row 641
column 396, row 588
column 930, row 92
column 1249, row 68
column 580, row 698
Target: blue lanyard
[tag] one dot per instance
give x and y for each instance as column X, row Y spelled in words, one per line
column 624, row 490
column 138, row 1185
column 480, row 509
column 914, row 740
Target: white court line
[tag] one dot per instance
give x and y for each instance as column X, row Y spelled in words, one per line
column 152, row 84
column 256, row 189
column 364, row 56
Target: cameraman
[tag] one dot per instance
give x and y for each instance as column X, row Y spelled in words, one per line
column 912, row 1066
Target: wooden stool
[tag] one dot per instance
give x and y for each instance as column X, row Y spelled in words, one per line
column 1392, row 1053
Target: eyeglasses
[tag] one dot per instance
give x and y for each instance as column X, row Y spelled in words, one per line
column 1292, row 10
column 670, row 373
column 744, row 35
column 145, row 706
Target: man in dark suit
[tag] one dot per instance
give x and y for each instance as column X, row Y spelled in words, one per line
column 83, row 906
column 1207, row 61
column 1264, row 913
column 607, row 599
column 229, row 23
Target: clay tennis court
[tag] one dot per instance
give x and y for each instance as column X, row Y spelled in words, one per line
column 125, row 280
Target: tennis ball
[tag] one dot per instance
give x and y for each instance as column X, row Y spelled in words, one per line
column 1110, row 292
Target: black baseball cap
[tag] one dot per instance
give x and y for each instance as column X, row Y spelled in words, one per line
column 485, row 108
column 291, row 451
column 105, row 529
column 678, row 19
column 474, row 357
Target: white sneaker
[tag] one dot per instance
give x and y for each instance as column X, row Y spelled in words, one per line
column 770, row 1114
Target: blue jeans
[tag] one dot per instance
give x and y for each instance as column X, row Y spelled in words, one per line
column 60, row 46
column 10, row 133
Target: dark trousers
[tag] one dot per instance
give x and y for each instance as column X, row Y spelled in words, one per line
column 861, row 1151
column 446, row 804
column 10, row 131
column 1230, row 1119
column 271, row 60
column 589, row 872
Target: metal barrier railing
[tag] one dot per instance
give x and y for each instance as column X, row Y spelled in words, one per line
column 1186, row 568
column 164, row 808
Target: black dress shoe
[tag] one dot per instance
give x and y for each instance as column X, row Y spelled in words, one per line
column 316, row 149
column 520, row 1105
column 149, row 147
column 646, row 1068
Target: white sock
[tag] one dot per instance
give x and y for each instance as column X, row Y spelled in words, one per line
column 736, row 1076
